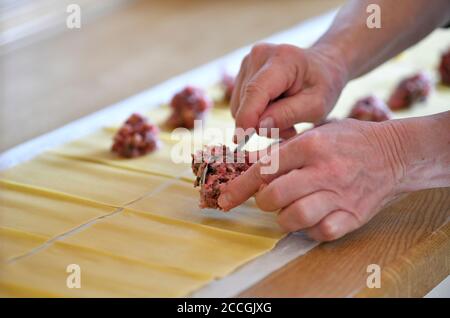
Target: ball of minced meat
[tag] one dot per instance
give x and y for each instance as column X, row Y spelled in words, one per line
column 135, row 138
column 370, row 108
column 444, row 68
column 228, row 82
column 409, row 91
column 188, row 105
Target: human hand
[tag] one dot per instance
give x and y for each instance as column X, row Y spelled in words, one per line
column 331, row 179
column 281, row 85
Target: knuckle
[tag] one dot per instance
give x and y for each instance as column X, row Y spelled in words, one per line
column 328, row 230
column 258, row 49
column 284, row 224
column 274, row 197
column 286, row 53
column 302, row 214
column 259, row 200
column 310, row 141
column 252, row 88
column 261, row 203
column 269, row 199
column 284, row 50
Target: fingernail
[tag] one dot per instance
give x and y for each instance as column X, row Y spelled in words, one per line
column 224, row 200
column 267, row 123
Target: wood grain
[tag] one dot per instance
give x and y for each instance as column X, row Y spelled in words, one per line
column 409, row 240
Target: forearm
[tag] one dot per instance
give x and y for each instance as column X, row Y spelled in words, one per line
column 403, row 23
column 417, row 150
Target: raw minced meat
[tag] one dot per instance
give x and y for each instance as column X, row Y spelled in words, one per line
column 188, row 105
column 135, row 138
column 370, row 108
column 228, row 82
column 409, row 91
column 444, row 68
column 222, row 166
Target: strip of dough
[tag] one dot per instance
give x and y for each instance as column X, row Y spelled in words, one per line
column 102, row 275
column 88, row 180
column 45, row 213
column 14, row 242
column 179, row 202
column 172, row 244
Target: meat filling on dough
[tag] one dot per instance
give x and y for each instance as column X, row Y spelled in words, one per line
column 370, row 108
column 187, row 106
column 409, row 91
column 135, row 138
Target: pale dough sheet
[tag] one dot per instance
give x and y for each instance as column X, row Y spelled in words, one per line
column 134, row 226
column 153, row 225
column 23, row 209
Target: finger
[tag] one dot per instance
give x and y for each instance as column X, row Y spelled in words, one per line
column 267, row 84
column 287, row 133
column 334, row 226
column 241, row 188
column 281, row 159
column 325, row 121
column 287, row 188
column 307, row 211
column 286, row 112
column 252, row 66
column 275, row 132
column 235, row 96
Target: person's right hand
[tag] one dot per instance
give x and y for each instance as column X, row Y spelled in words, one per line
column 329, row 180
column 279, row 86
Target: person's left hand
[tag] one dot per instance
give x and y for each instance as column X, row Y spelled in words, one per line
column 331, row 179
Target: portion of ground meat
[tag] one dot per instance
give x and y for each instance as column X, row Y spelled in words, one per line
column 228, row 82
column 370, row 108
column 444, row 68
column 409, row 91
column 188, row 105
column 222, row 166
column 135, row 138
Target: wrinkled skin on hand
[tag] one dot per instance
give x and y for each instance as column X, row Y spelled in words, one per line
column 282, row 85
column 331, row 179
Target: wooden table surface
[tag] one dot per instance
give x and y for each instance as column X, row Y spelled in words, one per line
column 56, row 80
column 409, row 240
